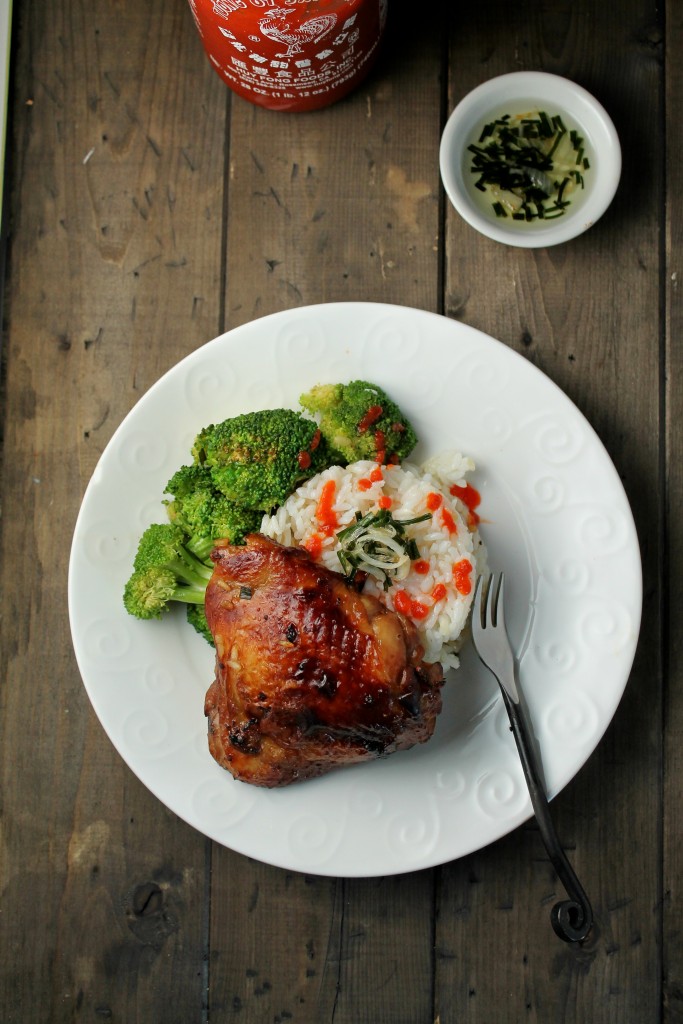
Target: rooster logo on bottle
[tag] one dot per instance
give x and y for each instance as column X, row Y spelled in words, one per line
column 276, row 26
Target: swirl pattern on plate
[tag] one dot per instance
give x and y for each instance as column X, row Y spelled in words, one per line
column 364, row 802
column 450, row 784
column 496, row 426
column 142, row 453
column 602, row 530
column 572, row 718
column 556, row 656
column 313, row 838
column 205, row 383
column 387, row 339
column 412, row 835
column 547, row 494
column 571, row 576
column 222, row 802
column 606, row 627
column 477, row 371
column 159, row 680
column 103, row 543
column 105, row 640
column 500, row 794
column 146, row 730
column 556, row 440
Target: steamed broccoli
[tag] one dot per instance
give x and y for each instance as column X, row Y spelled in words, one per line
column 196, row 616
column 359, row 421
column 232, row 522
column 257, row 459
column 204, row 513
column 164, row 570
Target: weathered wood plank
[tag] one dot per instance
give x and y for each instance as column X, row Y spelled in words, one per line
column 385, row 962
column 272, row 937
column 672, row 565
column 586, row 313
column 132, row 243
column 118, row 153
column 340, row 204
column 319, row 949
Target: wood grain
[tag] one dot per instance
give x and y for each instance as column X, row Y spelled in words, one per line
column 103, row 888
column 672, row 561
column 587, row 314
column 149, row 211
column 339, row 204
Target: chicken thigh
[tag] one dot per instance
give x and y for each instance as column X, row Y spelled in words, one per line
column 310, row 673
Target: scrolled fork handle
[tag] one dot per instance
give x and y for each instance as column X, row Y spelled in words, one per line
column 571, row 919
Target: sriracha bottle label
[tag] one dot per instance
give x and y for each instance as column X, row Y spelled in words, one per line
column 291, row 54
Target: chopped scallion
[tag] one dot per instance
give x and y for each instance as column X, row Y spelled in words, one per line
column 376, row 544
column 527, row 166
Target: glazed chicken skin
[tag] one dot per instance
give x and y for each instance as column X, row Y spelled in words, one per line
column 310, row 674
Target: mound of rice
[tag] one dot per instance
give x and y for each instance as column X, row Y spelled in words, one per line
column 438, row 589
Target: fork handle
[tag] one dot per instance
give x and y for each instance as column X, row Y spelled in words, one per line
column 571, row 919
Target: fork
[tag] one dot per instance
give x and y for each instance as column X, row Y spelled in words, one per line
column 571, row 919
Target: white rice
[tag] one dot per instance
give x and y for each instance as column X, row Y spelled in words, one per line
column 440, row 622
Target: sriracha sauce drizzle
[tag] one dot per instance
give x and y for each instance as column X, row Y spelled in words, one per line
column 470, row 497
column 324, row 512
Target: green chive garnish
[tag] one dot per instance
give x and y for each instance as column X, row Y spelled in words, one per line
column 523, row 156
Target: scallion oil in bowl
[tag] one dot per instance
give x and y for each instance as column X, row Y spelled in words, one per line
column 529, row 167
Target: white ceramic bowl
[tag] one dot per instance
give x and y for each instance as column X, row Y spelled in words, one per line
column 513, row 94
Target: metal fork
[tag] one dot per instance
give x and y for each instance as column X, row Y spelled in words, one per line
column 572, row 919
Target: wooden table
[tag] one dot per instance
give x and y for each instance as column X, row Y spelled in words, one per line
column 150, row 210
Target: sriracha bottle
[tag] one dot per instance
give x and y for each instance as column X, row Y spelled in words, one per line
column 291, row 55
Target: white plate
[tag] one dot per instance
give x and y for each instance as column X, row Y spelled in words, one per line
column 557, row 522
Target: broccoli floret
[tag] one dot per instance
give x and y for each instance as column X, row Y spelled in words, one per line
column 193, row 513
column 187, row 480
column 148, row 592
column 193, row 494
column 190, row 508
column 205, row 514
column 164, row 571
column 359, row 421
column 232, row 522
column 164, row 545
column 196, row 616
column 256, row 460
